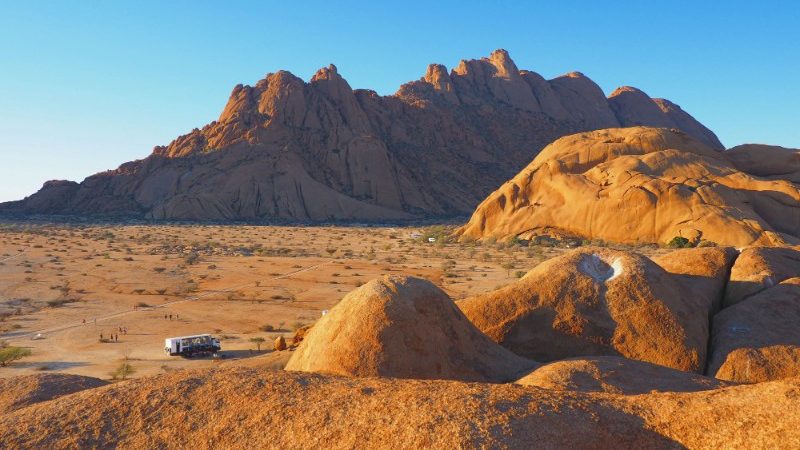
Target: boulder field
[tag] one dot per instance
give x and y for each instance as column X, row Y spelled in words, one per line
column 396, row 364
column 596, row 301
column 646, row 185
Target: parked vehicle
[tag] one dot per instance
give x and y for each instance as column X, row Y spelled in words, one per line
column 188, row 346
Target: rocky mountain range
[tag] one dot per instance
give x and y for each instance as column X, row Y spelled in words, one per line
column 319, row 150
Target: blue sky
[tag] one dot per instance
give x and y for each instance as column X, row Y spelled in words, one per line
column 85, row 86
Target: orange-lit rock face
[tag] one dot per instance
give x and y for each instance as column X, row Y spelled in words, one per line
column 616, row 375
column 760, row 268
column 758, row 338
column 403, row 327
column 600, row 302
column 277, row 409
column 319, row 150
column 639, row 185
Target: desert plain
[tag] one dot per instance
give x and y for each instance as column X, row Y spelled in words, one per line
column 63, row 286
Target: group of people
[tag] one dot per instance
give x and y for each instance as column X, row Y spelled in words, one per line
column 170, row 316
column 113, row 336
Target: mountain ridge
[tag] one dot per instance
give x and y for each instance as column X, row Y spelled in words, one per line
column 319, row 150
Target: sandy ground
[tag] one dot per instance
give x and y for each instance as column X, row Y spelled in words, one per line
column 231, row 281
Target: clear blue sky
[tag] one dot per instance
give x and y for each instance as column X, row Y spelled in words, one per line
column 85, row 86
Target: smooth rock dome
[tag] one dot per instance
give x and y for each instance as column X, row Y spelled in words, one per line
column 403, row 327
column 639, row 185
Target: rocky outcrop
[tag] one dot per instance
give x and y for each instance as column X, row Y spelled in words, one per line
column 319, row 150
column 633, row 107
column 637, row 185
column 22, row 391
column 403, row 327
column 615, row 375
column 279, row 344
column 597, row 302
column 767, row 161
column 760, row 268
column 239, row 408
column 702, row 271
column 758, row 339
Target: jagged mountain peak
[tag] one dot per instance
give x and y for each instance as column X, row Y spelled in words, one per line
column 318, row 150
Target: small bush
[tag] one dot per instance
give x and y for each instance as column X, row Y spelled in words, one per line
column 191, row 258
column 679, row 242
column 519, row 273
column 267, row 328
column 59, row 302
column 10, row 354
column 123, row 371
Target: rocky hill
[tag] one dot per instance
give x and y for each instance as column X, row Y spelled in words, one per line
column 319, row 150
column 651, row 185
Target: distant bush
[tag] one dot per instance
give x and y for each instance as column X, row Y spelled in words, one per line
column 679, row 242
column 519, row 273
column 706, row 243
column 191, row 258
column 517, row 242
column 258, row 340
column 267, row 328
column 60, row 302
column 10, row 354
column 123, row 371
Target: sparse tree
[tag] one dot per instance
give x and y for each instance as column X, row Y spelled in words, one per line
column 123, row 371
column 258, row 340
column 508, row 265
column 10, row 354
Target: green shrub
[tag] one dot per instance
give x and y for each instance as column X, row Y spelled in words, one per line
column 123, row 371
column 679, row 242
column 9, row 354
column 258, row 340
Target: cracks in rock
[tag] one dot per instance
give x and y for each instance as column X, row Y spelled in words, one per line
column 719, row 307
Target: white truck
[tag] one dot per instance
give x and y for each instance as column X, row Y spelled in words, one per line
column 201, row 344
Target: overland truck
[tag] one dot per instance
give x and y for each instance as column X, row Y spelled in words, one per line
column 188, row 346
